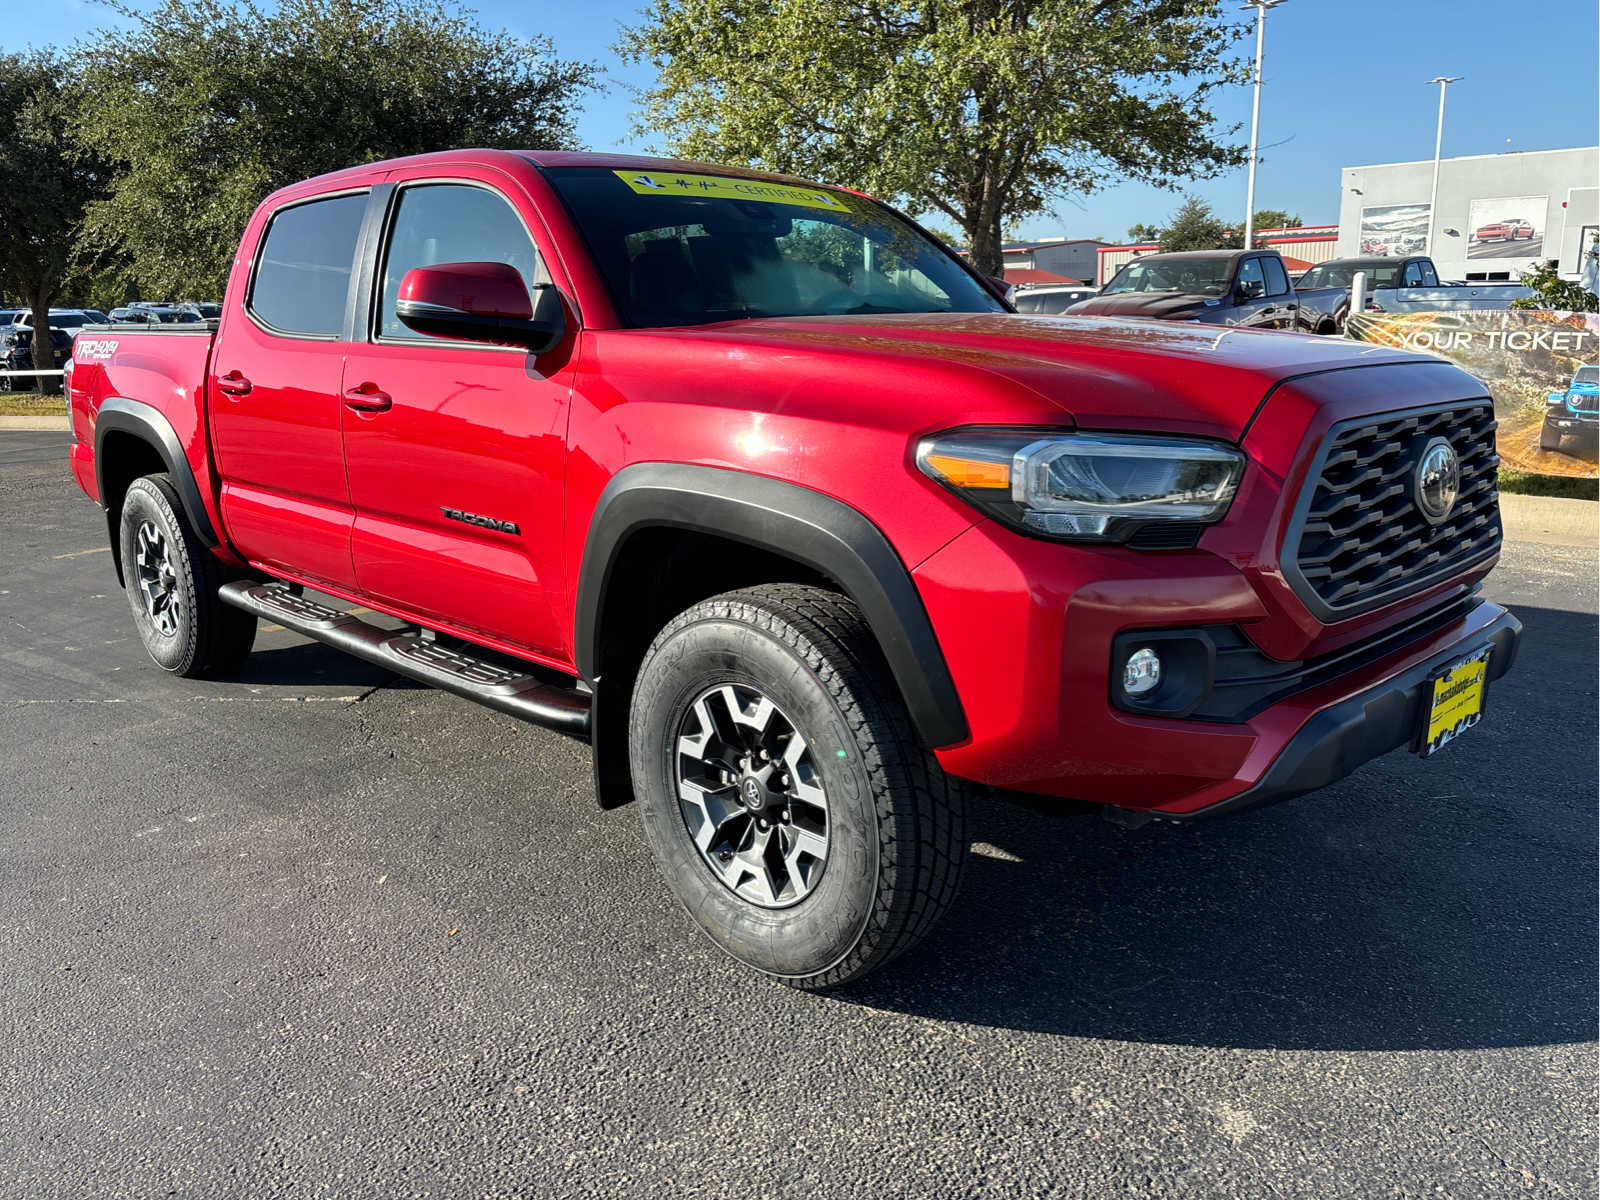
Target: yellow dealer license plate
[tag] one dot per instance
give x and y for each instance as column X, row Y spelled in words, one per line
column 1456, row 702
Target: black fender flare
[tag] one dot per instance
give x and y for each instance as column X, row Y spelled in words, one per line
column 118, row 414
column 796, row 522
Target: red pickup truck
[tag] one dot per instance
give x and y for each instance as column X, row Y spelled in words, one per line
column 759, row 489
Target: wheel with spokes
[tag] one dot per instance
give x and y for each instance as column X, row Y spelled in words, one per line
column 171, row 579
column 751, row 796
column 793, row 811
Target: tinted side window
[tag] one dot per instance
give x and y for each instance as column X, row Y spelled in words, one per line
column 1429, row 278
column 450, row 223
column 1030, row 304
column 1277, row 280
column 303, row 274
column 1412, row 276
column 1250, row 282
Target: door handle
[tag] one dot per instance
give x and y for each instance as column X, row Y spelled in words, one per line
column 233, row 384
column 367, row 398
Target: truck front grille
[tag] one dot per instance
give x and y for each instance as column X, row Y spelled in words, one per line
column 1583, row 402
column 1359, row 540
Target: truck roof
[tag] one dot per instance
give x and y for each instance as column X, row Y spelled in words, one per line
column 1206, row 253
column 548, row 158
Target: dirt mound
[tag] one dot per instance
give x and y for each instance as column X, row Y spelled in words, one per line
column 1517, row 440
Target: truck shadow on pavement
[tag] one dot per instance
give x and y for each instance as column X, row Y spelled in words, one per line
column 1414, row 906
column 313, row 665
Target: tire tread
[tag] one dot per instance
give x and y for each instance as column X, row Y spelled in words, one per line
column 921, row 873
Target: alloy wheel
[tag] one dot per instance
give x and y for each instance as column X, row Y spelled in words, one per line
column 751, row 797
column 157, row 579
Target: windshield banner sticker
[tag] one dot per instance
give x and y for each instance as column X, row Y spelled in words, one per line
column 726, row 187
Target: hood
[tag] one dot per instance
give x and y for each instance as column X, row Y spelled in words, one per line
column 1168, row 306
column 1099, row 373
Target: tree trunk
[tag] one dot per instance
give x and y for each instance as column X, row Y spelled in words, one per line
column 44, row 355
column 985, row 244
column 982, row 228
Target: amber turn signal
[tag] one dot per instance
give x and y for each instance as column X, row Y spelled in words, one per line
column 969, row 472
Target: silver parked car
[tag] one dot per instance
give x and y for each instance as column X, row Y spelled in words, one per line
column 1052, row 299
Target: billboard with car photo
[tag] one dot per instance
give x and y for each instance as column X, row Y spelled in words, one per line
column 1507, row 227
column 1393, row 230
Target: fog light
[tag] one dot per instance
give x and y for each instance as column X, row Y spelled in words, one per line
column 1141, row 674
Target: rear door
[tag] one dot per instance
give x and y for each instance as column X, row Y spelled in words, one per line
column 456, row 474
column 274, row 388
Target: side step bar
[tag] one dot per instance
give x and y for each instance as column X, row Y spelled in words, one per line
column 565, row 710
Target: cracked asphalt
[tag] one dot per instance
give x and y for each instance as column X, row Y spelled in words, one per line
column 319, row 932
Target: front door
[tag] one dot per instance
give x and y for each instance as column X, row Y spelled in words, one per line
column 274, row 387
column 1282, row 309
column 455, row 451
column 1251, row 306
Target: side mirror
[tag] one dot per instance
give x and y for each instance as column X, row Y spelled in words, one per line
column 1005, row 291
column 480, row 302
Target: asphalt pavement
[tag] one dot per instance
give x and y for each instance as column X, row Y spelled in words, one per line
column 1506, row 249
column 320, row 932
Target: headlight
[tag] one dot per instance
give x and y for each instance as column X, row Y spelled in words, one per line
column 1084, row 487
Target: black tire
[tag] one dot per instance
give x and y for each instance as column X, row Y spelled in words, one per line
column 1549, row 439
column 897, row 823
column 203, row 636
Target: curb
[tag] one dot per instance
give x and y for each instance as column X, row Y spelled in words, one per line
column 1552, row 520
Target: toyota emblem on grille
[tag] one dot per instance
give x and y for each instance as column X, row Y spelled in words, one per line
column 1438, row 480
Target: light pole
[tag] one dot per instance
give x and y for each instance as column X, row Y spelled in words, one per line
column 1261, row 7
column 1443, row 81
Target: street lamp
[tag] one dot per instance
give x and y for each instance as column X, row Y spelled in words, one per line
column 1261, row 7
column 1443, row 81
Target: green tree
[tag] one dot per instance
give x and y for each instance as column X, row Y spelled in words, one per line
column 954, row 240
column 975, row 108
column 1276, row 218
column 1144, row 233
column 1552, row 291
column 44, row 192
column 1195, row 227
column 204, row 107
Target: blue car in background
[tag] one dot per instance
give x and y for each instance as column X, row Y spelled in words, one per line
column 1574, row 412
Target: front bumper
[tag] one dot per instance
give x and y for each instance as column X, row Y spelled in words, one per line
column 1385, row 717
column 1573, row 420
column 1028, row 629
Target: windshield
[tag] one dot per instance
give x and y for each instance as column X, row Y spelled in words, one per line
column 1191, row 276
column 1587, row 375
column 1379, row 275
column 680, row 249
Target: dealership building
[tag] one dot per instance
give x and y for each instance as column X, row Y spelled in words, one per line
column 1050, row 260
column 1498, row 214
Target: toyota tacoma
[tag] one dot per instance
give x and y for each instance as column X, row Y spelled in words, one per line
column 762, row 492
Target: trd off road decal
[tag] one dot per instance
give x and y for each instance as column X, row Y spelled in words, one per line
column 98, row 349
column 724, row 187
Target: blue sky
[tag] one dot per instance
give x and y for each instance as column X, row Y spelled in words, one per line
column 1344, row 87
